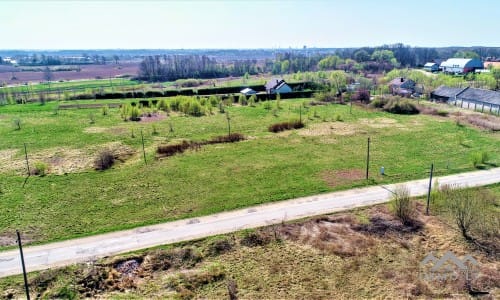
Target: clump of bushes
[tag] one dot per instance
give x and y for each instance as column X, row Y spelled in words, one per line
column 402, row 205
column 296, row 124
column 325, row 96
column 361, row 95
column 170, row 150
column 104, row 160
column 395, row 105
column 231, row 138
column 479, row 158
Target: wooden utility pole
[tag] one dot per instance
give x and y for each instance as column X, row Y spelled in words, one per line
column 429, row 190
column 367, row 158
column 23, row 265
column 143, row 150
column 228, row 123
column 26, row 157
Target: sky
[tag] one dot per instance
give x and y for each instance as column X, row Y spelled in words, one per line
column 238, row 24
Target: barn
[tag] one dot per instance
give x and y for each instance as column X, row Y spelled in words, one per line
column 470, row 98
column 461, row 65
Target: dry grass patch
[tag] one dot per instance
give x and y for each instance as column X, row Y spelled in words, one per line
column 61, row 160
column 95, row 130
column 342, row 177
column 381, row 123
column 328, row 128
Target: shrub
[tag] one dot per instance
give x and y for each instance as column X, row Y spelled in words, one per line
column 402, row 205
column 170, row 150
column 465, row 208
column 231, row 138
column 17, row 124
column 286, row 126
column 219, row 247
column 379, row 102
column 105, row 110
column 134, row 114
column 242, row 100
column 325, row 96
column 361, row 95
column 252, row 100
column 253, row 239
column 40, row 169
column 396, row 105
column 162, row 105
column 104, row 160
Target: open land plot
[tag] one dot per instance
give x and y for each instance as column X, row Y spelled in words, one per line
column 265, row 167
column 86, row 72
column 323, row 256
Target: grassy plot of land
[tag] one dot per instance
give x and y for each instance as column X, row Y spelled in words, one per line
column 265, row 167
column 360, row 254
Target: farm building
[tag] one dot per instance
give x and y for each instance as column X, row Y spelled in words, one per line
column 431, row 67
column 248, row 91
column 491, row 64
column 461, row 65
column 277, row 86
column 402, row 86
column 470, row 98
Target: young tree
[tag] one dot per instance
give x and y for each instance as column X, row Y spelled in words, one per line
column 496, row 74
column 47, row 75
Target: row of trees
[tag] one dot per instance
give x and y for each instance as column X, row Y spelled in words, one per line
column 169, row 68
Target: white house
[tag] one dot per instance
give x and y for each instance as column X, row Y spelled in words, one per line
column 277, row 86
column 431, row 67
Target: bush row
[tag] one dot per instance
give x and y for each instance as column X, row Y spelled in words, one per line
column 170, row 150
column 296, row 124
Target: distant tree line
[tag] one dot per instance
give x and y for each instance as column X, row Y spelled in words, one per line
column 173, row 67
column 367, row 59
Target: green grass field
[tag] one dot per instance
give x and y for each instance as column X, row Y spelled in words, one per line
column 266, row 167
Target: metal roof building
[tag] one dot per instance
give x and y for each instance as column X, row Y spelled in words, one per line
column 471, row 98
column 461, row 65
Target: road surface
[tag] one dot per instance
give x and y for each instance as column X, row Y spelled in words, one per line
column 90, row 248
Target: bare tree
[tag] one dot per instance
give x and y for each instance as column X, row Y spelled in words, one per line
column 47, row 75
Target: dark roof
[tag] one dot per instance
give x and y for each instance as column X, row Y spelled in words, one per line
column 445, row 91
column 480, row 95
column 399, row 81
column 274, row 83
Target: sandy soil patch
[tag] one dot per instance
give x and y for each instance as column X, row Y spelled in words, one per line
column 328, row 128
column 342, row 177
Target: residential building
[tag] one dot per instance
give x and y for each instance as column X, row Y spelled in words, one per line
column 431, row 67
column 402, row 86
column 277, row 86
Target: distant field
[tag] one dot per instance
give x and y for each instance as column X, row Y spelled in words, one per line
column 328, row 154
column 87, row 72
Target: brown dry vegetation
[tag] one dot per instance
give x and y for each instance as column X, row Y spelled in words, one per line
column 61, row 160
column 341, row 177
column 367, row 253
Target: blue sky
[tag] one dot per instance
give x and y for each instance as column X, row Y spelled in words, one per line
column 74, row 24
